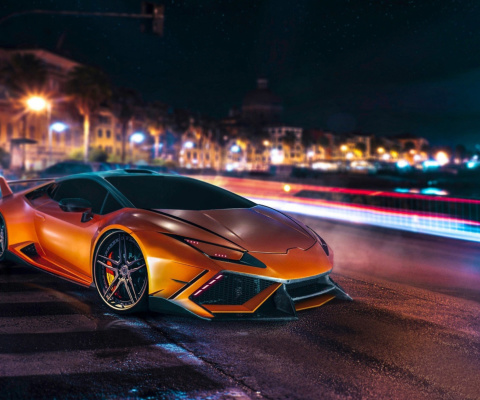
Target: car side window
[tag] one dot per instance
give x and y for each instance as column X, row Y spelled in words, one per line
column 81, row 188
column 110, row 205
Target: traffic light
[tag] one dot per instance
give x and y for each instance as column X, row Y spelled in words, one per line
column 157, row 11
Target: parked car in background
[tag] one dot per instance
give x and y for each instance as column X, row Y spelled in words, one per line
column 71, row 167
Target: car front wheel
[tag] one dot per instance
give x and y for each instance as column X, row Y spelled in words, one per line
column 120, row 273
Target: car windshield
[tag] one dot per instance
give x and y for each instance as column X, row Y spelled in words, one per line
column 177, row 193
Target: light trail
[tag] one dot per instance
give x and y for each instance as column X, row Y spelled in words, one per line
column 412, row 222
column 272, row 194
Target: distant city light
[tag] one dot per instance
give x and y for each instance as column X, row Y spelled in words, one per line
column 431, row 164
column 343, row 147
column 434, row 191
column 403, row 164
column 287, row 188
column 310, row 154
column 37, row 103
column 471, row 164
column 349, row 155
column 325, row 166
column 442, row 158
column 235, row 148
column 276, row 156
column 137, row 137
column 58, row 127
column 380, row 150
column 188, row 145
column 266, row 143
column 386, row 156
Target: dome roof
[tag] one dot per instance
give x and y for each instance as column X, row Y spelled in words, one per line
column 261, row 96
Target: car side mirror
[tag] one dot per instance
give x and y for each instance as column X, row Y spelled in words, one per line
column 77, row 205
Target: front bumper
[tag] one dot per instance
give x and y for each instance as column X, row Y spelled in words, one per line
column 231, row 295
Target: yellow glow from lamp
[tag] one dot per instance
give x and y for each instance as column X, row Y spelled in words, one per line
column 37, row 103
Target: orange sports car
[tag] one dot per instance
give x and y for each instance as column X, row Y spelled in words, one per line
column 168, row 243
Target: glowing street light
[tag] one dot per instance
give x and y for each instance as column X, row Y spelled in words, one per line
column 137, row 138
column 380, row 150
column 59, row 127
column 37, row 103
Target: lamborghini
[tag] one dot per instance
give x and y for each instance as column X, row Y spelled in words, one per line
column 168, row 243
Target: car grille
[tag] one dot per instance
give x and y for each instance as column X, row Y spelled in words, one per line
column 232, row 289
column 309, row 288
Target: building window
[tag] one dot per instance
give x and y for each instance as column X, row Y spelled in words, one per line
column 31, row 131
column 99, row 133
column 119, row 137
column 108, row 133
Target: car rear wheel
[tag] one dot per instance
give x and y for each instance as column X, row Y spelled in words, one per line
column 120, row 273
column 3, row 239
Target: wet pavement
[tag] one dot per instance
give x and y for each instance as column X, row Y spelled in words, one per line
column 412, row 332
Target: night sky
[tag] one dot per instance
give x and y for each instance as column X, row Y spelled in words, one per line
column 384, row 67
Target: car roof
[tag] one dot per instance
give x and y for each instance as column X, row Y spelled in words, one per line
column 116, row 172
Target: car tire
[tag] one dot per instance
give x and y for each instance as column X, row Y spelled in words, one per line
column 120, row 273
column 3, row 240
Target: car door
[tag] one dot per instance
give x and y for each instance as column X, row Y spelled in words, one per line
column 64, row 238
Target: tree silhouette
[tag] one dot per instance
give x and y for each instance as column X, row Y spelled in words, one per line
column 87, row 87
column 124, row 105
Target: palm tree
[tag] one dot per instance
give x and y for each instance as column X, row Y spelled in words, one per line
column 89, row 88
column 124, row 105
column 23, row 74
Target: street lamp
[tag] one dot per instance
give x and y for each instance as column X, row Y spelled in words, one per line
column 57, row 127
column 137, row 138
column 37, row 104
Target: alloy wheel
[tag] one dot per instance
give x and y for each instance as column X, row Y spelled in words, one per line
column 120, row 272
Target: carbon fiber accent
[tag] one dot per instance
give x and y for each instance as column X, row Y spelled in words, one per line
column 231, row 289
column 309, row 288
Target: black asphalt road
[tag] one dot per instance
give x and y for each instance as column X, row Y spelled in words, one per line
column 412, row 332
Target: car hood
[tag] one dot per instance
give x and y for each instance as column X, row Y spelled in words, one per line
column 257, row 229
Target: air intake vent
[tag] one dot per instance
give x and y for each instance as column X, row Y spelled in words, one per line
column 30, row 251
column 230, row 289
column 309, row 288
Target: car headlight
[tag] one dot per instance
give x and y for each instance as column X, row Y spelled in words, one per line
column 322, row 242
column 221, row 253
